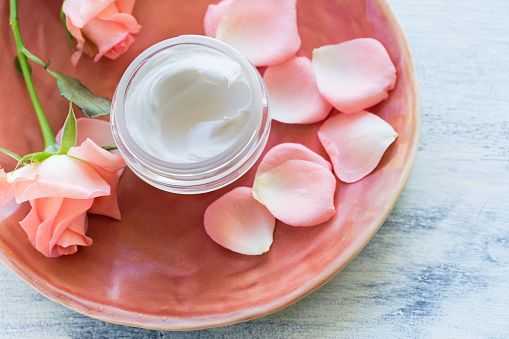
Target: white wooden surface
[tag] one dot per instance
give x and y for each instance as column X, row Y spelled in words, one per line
column 439, row 266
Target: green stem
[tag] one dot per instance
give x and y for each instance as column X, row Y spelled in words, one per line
column 49, row 138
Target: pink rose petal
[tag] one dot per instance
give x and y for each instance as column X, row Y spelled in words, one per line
column 64, row 176
column 94, row 155
column 354, row 75
column 102, row 27
column 109, row 166
column 82, row 11
column 294, row 96
column 264, row 31
column 16, row 182
column 298, row 192
column 281, row 153
column 355, row 143
column 239, row 223
column 56, row 226
column 213, row 17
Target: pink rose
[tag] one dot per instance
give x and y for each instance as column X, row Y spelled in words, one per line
column 61, row 190
column 102, row 27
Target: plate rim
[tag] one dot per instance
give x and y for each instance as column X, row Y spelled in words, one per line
column 123, row 317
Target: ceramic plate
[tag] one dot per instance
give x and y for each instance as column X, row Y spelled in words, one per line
column 157, row 268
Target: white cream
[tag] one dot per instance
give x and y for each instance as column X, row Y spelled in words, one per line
column 190, row 115
column 187, row 104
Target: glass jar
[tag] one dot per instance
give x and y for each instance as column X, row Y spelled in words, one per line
column 189, row 176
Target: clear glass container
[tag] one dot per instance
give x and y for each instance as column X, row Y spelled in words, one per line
column 199, row 176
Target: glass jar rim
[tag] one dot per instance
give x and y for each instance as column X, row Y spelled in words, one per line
column 193, row 177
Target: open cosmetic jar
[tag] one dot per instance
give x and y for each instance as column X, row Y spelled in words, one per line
column 190, row 115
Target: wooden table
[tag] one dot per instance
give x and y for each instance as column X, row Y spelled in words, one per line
column 439, row 266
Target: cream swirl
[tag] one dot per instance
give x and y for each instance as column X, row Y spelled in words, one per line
column 187, row 104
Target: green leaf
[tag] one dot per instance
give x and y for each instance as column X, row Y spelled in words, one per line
column 109, row 148
column 72, row 89
column 11, row 154
column 69, row 132
column 18, row 66
column 69, row 36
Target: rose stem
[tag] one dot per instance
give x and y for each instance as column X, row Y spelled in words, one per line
column 50, row 144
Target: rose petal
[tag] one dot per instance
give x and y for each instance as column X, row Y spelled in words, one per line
column 264, row 31
column 298, row 192
column 95, row 32
column 94, row 155
column 130, row 23
column 109, row 166
column 97, row 130
column 239, row 223
column 294, row 96
column 107, row 205
column 64, row 176
column 355, row 143
column 55, row 226
column 354, row 75
column 80, row 46
column 281, row 153
column 15, row 182
column 213, row 16
column 80, row 12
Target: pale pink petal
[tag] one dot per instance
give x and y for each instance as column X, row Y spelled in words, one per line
column 120, row 48
column 264, row 31
column 80, row 12
column 15, row 182
column 97, row 130
column 281, row 153
column 297, row 192
column 56, row 225
column 107, row 205
column 91, row 153
column 64, row 176
column 355, row 143
column 76, row 33
column 213, row 16
column 293, row 94
column 6, row 189
column 109, row 166
column 129, row 21
column 104, row 34
column 354, row 75
column 239, row 223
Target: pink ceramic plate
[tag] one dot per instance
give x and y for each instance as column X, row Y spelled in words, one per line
column 157, row 268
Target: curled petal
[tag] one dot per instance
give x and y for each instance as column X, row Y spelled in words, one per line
column 56, row 226
column 97, row 130
column 80, row 12
column 281, row 153
column 110, row 167
column 354, row 75
column 89, row 152
column 15, row 182
column 294, row 96
column 265, row 31
column 67, row 177
column 213, row 16
column 107, row 205
column 105, row 35
column 239, row 223
column 355, row 143
column 298, row 192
